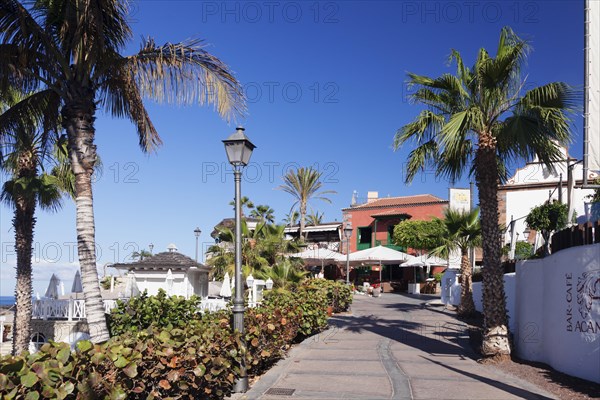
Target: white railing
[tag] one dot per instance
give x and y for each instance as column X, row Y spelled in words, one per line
column 212, row 305
column 68, row 309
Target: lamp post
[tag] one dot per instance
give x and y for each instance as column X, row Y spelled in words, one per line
column 348, row 234
column 239, row 149
column 197, row 233
column 151, row 246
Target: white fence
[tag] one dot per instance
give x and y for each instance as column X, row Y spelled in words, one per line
column 554, row 310
column 70, row 309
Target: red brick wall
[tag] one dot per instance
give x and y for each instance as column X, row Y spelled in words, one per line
column 362, row 217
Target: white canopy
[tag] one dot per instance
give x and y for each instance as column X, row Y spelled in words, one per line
column 425, row 260
column 226, row 287
column 131, row 288
column 77, row 287
column 379, row 254
column 320, row 256
column 53, row 290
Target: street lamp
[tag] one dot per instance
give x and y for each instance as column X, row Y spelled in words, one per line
column 197, row 233
column 239, row 149
column 348, row 234
column 151, row 246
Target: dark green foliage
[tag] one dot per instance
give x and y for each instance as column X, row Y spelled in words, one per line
column 269, row 331
column 548, row 217
column 177, row 354
column 311, row 304
column 339, row 295
column 142, row 311
column 419, row 235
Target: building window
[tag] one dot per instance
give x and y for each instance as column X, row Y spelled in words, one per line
column 37, row 341
column 364, row 237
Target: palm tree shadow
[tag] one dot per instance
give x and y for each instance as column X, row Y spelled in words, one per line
column 522, row 393
column 437, row 338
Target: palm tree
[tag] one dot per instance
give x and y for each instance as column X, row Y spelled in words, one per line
column 263, row 213
column 463, row 232
column 283, row 274
column 140, row 255
column 245, row 203
column 21, row 156
column 71, row 52
column 304, row 184
column 291, row 219
column 480, row 119
column 314, row 218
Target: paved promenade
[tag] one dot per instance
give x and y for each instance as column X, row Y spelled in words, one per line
column 391, row 347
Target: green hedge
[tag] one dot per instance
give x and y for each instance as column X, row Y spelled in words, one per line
column 179, row 354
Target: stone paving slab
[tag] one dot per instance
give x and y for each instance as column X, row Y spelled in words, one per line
column 393, row 347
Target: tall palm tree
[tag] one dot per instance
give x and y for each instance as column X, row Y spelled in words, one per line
column 304, row 184
column 71, row 51
column 463, row 232
column 479, row 119
column 263, row 213
column 22, row 156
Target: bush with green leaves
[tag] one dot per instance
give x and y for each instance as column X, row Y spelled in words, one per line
column 311, row 304
column 51, row 373
column 269, row 332
column 339, row 295
column 196, row 359
column 140, row 312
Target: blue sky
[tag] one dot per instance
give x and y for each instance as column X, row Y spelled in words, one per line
column 325, row 83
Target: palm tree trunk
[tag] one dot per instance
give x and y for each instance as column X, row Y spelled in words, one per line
column 78, row 122
column 495, row 340
column 302, row 219
column 23, row 222
column 467, row 306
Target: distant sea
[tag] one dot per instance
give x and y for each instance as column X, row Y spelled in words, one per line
column 7, row 300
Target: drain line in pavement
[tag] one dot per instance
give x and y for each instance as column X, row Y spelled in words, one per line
column 400, row 382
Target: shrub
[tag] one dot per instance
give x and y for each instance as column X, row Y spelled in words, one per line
column 269, row 332
column 142, row 311
column 197, row 357
column 339, row 295
column 310, row 303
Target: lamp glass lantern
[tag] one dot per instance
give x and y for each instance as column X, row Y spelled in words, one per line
column 197, row 232
column 249, row 281
column 238, row 148
column 348, row 231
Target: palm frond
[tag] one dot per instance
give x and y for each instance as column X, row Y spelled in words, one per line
column 184, row 73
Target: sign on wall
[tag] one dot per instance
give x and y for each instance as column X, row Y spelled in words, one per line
column 460, row 199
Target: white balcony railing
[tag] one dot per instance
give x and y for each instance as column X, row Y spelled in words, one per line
column 74, row 310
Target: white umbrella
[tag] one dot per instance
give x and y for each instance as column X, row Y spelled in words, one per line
column 169, row 281
column 226, row 287
column 131, row 287
column 380, row 255
column 425, row 260
column 77, row 287
column 320, row 256
column 53, row 288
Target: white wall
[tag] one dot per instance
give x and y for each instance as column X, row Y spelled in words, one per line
column 520, row 203
column 509, row 292
column 553, row 323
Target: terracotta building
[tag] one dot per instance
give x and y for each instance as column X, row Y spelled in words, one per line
column 373, row 222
